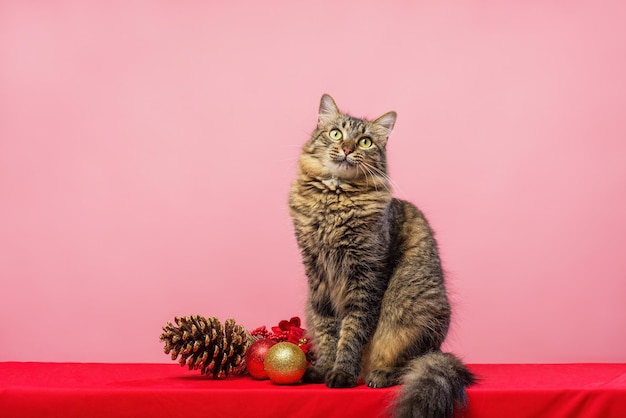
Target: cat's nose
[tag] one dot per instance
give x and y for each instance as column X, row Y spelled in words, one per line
column 347, row 150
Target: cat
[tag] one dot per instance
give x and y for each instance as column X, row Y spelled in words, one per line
column 377, row 307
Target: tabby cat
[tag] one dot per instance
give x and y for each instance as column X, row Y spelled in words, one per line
column 377, row 306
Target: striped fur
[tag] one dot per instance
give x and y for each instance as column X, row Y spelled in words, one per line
column 377, row 305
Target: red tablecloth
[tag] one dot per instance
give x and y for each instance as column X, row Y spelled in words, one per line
column 167, row 390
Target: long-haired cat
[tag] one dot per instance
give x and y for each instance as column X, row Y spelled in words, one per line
column 377, row 305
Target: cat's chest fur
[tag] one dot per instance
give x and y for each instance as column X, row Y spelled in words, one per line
column 335, row 216
column 330, row 212
column 341, row 230
column 334, row 221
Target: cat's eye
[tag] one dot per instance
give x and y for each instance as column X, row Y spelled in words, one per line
column 365, row 142
column 335, row 134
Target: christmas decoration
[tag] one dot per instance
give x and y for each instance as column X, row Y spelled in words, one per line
column 207, row 345
column 285, row 363
column 287, row 331
column 221, row 350
column 255, row 357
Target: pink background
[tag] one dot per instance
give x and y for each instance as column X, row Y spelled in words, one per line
column 147, row 148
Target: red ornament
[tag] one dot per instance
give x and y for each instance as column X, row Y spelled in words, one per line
column 255, row 357
column 287, row 331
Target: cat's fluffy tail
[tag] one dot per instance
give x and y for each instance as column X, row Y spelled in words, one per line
column 433, row 386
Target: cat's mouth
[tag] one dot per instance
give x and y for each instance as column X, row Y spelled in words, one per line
column 342, row 166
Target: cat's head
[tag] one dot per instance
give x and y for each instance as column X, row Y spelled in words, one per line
column 347, row 148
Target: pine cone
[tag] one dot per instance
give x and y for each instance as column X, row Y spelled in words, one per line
column 206, row 345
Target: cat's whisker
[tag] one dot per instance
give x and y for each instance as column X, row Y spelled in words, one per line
column 367, row 170
column 358, row 167
column 381, row 173
column 376, row 172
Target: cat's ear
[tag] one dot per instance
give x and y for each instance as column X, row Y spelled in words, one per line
column 387, row 121
column 328, row 108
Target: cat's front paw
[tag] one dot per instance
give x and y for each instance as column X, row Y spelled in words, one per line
column 340, row 379
column 314, row 375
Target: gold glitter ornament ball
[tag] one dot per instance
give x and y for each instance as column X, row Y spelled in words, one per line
column 285, row 363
